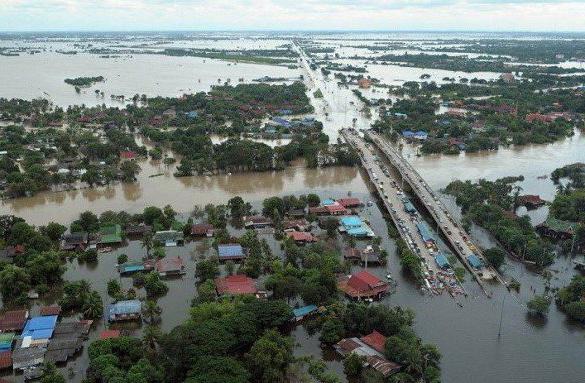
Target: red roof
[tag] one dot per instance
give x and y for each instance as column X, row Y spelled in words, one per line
column 318, row 210
column 531, row 199
column 13, row 320
column 201, row 229
column 50, row 310
column 169, row 264
column 127, row 155
column 335, row 208
column 363, row 284
column 108, row 334
column 375, row 340
column 5, row 359
column 235, row 285
column 349, row 202
column 301, row 236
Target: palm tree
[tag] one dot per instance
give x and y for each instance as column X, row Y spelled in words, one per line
column 147, row 243
column 151, row 312
column 150, row 339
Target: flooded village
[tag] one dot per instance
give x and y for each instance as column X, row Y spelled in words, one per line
column 299, row 207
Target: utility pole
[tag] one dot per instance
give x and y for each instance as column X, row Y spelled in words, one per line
column 501, row 316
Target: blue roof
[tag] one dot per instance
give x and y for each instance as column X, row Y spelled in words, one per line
column 421, row 135
column 281, row 121
column 351, row 221
column 124, row 307
column 474, row 261
column 131, row 268
column 327, row 202
column 358, row 232
column 423, row 229
column 302, row 311
column 284, row 111
column 442, row 261
column 408, row 133
column 40, row 327
column 230, row 250
column 192, row 114
column 409, row 207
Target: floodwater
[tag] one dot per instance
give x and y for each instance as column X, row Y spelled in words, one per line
column 526, row 349
column 42, row 76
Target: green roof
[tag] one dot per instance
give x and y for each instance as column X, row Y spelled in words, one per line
column 111, row 234
column 559, row 225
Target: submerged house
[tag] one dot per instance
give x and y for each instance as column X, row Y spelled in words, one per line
column 354, row 226
column 169, row 238
column 13, row 320
column 202, row 230
column 110, row 234
column 303, row 312
column 257, row 222
column 124, row 311
column 233, row 252
column 556, row 228
column 301, row 237
column 371, row 347
column 350, row 203
column 363, row 285
column 235, row 285
column 170, row 266
column 74, row 241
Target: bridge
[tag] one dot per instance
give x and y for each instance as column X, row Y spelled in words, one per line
column 410, row 226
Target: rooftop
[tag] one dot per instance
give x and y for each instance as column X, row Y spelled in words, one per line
column 235, row 285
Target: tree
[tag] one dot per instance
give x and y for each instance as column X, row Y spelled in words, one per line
column 206, row 292
column 269, row 357
column 353, row 365
column 230, row 267
column 151, row 312
column 89, row 221
column 14, row 282
column 218, row 369
column 129, row 170
column 332, row 331
column 207, row 269
column 313, row 199
column 53, row 230
column 122, row 258
column 272, row 206
column 114, row 289
column 495, row 256
column 539, row 305
column 238, row 208
column 51, row 374
column 154, row 286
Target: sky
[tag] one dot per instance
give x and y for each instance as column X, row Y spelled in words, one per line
column 387, row 15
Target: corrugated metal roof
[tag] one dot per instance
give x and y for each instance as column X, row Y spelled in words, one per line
column 302, row 311
column 234, row 250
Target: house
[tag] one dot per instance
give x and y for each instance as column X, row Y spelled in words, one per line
column 137, row 230
column 5, row 360
column 110, row 334
column 556, row 228
column 202, row 230
column 353, row 225
column 407, row 134
column 127, row 155
column 233, row 252
column 369, row 347
column 74, row 242
column 135, row 267
column 170, row 266
column 364, row 83
column 350, row 203
column 530, row 201
column 110, row 234
column 303, row 312
column 235, row 285
column 532, row 117
column 336, row 209
column 13, row 320
column 281, row 122
column 296, row 225
column 352, row 254
column 124, row 311
column 169, row 238
column 296, row 213
column 301, row 237
column 50, row 310
column 191, row 115
column 319, row 210
column 508, row 78
column 169, row 113
column 257, row 222
column 6, row 340
column 39, row 330
column 370, row 256
column 363, row 285
column 420, row 135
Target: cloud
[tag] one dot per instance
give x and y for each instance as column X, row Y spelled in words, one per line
column 292, row 14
